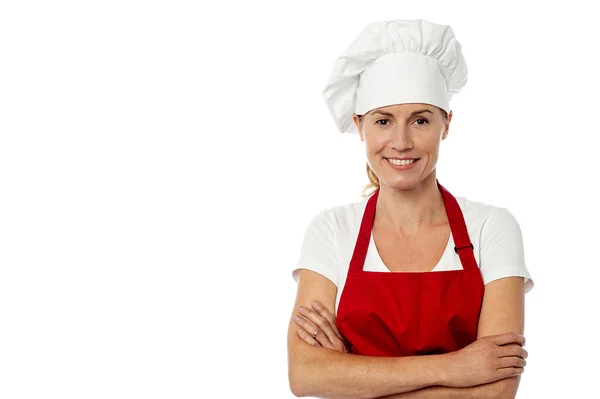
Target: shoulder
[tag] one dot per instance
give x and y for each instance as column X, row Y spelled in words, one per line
column 491, row 226
column 474, row 209
column 341, row 217
column 499, row 241
column 332, row 227
column 327, row 238
column 486, row 217
column 477, row 215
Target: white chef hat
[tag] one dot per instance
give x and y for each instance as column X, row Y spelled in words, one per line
column 395, row 62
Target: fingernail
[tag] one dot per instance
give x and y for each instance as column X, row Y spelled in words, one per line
column 316, row 304
column 297, row 318
column 301, row 308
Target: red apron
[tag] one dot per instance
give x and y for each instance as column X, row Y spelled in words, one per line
column 411, row 313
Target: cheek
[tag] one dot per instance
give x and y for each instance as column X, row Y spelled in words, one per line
column 430, row 143
column 375, row 143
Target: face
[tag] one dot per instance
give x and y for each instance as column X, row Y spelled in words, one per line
column 403, row 131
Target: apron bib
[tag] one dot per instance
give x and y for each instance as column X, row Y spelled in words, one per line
column 411, row 313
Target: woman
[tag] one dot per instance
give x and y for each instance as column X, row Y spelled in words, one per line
column 427, row 289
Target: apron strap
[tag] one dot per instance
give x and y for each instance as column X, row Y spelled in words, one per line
column 462, row 243
column 463, row 246
column 364, row 235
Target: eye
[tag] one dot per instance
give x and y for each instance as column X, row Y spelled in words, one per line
column 422, row 120
column 387, row 122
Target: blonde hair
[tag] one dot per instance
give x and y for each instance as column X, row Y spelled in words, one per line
column 373, row 179
column 373, row 182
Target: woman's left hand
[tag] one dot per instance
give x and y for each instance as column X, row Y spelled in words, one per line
column 319, row 320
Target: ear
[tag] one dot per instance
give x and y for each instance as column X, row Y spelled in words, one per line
column 447, row 126
column 358, row 124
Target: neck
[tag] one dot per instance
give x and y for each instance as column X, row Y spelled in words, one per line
column 410, row 210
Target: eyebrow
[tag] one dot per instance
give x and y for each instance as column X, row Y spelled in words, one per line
column 411, row 114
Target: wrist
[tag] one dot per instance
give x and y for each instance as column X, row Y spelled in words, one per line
column 427, row 370
column 443, row 364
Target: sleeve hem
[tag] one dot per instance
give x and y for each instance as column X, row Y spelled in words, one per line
column 509, row 271
column 322, row 270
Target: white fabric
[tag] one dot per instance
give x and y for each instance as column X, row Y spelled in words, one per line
column 384, row 82
column 330, row 237
column 395, row 62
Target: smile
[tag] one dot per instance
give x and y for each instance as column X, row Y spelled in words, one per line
column 402, row 164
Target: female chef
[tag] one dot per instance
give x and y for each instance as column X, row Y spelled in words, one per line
column 427, row 289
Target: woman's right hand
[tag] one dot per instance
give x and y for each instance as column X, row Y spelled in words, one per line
column 486, row 360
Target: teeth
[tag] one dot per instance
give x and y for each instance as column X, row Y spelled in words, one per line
column 401, row 162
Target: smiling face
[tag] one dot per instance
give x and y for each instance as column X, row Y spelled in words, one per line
column 403, row 131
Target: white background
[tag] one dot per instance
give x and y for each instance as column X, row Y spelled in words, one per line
column 159, row 162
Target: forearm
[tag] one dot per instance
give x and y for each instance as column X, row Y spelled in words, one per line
column 502, row 389
column 330, row 374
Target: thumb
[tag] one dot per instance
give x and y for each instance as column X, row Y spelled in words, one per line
column 509, row 338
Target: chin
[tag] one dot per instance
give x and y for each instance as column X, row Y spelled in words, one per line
column 402, row 184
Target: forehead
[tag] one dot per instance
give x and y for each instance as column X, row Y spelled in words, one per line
column 402, row 109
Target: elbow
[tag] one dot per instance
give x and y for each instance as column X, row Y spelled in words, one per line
column 298, row 382
column 297, row 387
column 304, row 383
column 506, row 388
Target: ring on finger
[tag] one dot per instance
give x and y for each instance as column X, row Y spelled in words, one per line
column 316, row 332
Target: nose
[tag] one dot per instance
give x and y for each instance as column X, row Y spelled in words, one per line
column 401, row 138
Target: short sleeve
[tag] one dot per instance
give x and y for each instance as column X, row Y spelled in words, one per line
column 501, row 249
column 317, row 252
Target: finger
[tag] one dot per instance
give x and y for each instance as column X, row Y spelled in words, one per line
column 305, row 324
column 306, row 337
column 509, row 372
column 310, row 327
column 338, row 341
column 512, row 350
column 333, row 336
column 512, row 361
column 321, row 323
column 508, row 338
column 323, row 311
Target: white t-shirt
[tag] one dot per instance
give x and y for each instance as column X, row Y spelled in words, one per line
column 494, row 232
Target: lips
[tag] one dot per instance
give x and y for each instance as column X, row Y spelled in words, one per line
column 403, row 159
column 403, row 167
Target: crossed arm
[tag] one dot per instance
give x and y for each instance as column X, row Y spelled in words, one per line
column 320, row 371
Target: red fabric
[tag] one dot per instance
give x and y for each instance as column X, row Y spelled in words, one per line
column 411, row 313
